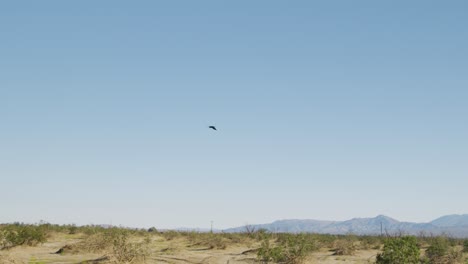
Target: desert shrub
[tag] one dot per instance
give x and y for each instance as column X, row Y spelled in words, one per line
column 261, row 234
column 289, row 249
column 20, row 234
column 370, row 242
column 441, row 251
column 214, row 242
column 72, row 229
column 124, row 251
column 345, row 247
column 99, row 241
column 399, row 250
column 438, row 248
column 192, row 236
column 326, row 240
column 90, row 229
column 171, row 234
column 455, row 256
column 94, row 243
column 210, row 240
column 152, row 229
column 233, row 237
column 115, row 244
column 465, row 245
column 267, row 253
column 250, row 230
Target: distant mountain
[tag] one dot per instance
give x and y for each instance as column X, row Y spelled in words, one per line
column 291, row 226
column 451, row 221
column 453, row 225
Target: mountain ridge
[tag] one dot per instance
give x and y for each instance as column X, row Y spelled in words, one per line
column 451, row 225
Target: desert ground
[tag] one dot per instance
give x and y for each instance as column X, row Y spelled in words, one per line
column 118, row 245
column 176, row 250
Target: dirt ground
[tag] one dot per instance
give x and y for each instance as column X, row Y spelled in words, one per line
column 176, row 251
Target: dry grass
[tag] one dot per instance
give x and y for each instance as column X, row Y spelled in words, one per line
column 345, row 247
column 115, row 245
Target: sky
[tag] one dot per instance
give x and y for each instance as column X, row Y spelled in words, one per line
column 325, row 110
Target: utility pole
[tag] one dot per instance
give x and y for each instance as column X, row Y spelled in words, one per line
column 211, row 226
column 381, row 231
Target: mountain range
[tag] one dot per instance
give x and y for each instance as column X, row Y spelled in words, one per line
column 451, row 225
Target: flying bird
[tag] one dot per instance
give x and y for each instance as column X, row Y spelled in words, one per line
column 213, row 127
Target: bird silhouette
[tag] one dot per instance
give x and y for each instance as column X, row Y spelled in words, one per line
column 213, row 127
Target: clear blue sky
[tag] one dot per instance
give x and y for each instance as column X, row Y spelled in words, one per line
column 325, row 110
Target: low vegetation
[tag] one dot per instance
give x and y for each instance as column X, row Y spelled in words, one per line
column 20, row 234
column 289, row 248
column 399, row 250
column 124, row 245
column 443, row 250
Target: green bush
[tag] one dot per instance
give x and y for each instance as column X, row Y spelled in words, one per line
column 465, row 245
column 20, row 234
column 399, row 250
column 290, row 248
column 268, row 253
column 152, row 229
column 438, row 249
column 443, row 250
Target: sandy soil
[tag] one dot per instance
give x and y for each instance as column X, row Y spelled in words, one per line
column 176, row 251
